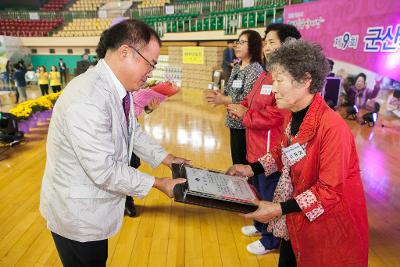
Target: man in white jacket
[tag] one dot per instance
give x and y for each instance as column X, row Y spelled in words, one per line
column 91, row 136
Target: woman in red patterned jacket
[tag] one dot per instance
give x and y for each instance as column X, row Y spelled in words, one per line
column 263, row 122
column 319, row 207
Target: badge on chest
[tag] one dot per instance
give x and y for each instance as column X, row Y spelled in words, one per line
column 266, row 89
column 237, row 84
column 294, row 152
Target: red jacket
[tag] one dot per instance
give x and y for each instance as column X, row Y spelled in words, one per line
column 332, row 229
column 262, row 115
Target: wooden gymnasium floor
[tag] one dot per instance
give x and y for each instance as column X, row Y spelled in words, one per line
column 171, row 234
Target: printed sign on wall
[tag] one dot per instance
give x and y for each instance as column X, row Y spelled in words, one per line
column 193, row 55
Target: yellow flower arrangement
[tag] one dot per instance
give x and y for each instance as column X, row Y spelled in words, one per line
column 22, row 112
column 26, row 109
column 53, row 97
column 44, row 103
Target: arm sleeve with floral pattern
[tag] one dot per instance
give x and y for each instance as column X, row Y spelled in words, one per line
column 333, row 169
column 272, row 162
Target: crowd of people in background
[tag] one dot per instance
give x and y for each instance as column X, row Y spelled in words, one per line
column 13, row 79
column 46, row 79
column 16, row 76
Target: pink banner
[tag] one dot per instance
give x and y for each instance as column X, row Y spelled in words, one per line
column 365, row 33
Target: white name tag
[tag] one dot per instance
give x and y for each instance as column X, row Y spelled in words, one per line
column 294, row 152
column 237, row 84
column 266, row 89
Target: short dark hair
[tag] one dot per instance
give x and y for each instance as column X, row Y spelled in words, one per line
column 300, row 57
column 230, row 41
column 129, row 32
column 284, row 31
column 54, row 67
column 255, row 45
column 361, row 74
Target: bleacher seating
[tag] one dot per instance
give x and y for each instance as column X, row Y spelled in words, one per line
column 87, row 5
column 153, row 3
column 243, row 18
column 16, row 27
column 189, row 16
column 84, row 27
column 54, row 5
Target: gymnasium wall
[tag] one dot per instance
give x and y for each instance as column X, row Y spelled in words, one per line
column 49, row 60
column 42, row 45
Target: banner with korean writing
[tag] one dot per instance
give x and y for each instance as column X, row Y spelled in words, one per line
column 193, row 55
column 362, row 32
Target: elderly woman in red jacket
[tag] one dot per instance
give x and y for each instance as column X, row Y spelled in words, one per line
column 263, row 122
column 319, row 206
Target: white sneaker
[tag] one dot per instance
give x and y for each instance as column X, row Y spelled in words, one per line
column 250, row 230
column 257, row 248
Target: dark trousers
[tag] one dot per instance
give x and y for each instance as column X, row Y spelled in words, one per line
column 73, row 253
column 56, row 88
column 286, row 255
column 265, row 186
column 16, row 96
column 238, row 146
column 63, row 76
column 44, row 88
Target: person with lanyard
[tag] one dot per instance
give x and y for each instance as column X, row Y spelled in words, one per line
column 239, row 85
column 319, row 207
column 55, row 82
column 263, row 122
column 92, row 134
column 43, row 80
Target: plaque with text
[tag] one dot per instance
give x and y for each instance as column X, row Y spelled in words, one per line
column 213, row 189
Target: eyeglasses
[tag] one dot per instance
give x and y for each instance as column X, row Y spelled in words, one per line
column 241, row 42
column 152, row 66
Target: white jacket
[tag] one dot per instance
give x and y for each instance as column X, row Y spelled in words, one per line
column 87, row 176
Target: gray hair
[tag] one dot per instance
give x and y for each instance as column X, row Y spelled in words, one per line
column 299, row 57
